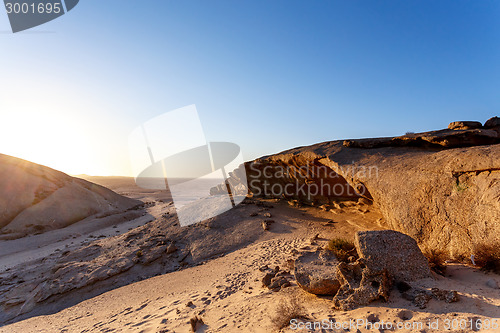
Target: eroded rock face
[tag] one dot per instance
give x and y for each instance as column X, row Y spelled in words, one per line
column 393, row 251
column 463, row 125
column 360, row 285
column 315, row 272
column 437, row 187
column 448, row 138
column 34, row 198
column 492, row 123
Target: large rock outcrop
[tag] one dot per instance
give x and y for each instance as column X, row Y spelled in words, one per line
column 35, row 198
column 442, row 188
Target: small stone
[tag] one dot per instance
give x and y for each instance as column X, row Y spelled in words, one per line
column 171, row 249
column 265, row 225
column 277, row 282
column 421, row 300
column 266, row 280
column 267, row 214
column 196, row 323
column 492, row 284
column 445, row 295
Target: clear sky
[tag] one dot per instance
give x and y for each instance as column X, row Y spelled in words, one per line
column 267, row 75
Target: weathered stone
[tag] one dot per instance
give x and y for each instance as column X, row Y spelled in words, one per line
column 360, row 285
column 265, row 225
column 315, row 272
column 443, row 138
column 420, row 297
column 171, row 248
column 492, row 284
column 266, row 280
column 398, row 253
column 492, row 122
column 277, row 282
column 464, row 125
column 196, row 323
column 449, row 296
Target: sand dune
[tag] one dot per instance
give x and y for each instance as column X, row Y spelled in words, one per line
column 34, row 199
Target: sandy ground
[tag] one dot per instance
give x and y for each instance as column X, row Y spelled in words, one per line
column 227, row 294
column 35, row 247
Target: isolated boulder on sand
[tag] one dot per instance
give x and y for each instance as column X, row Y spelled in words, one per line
column 393, row 251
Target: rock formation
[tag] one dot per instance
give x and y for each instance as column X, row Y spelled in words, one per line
column 387, row 257
column 442, row 188
column 393, row 251
column 35, row 198
column 361, row 285
column 315, row 272
column 464, row 125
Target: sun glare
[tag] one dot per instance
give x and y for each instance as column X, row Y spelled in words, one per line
column 52, row 139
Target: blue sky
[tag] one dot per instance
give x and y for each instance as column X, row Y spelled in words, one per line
column 267, row 75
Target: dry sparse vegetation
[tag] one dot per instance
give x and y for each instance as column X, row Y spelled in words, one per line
column 487, row 256
column 288, row 309
column 436, row 260
column 342, row 248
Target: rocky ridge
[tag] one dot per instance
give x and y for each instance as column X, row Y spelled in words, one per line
column 442, row 188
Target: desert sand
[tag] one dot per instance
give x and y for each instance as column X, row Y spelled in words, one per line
column 227, row 293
